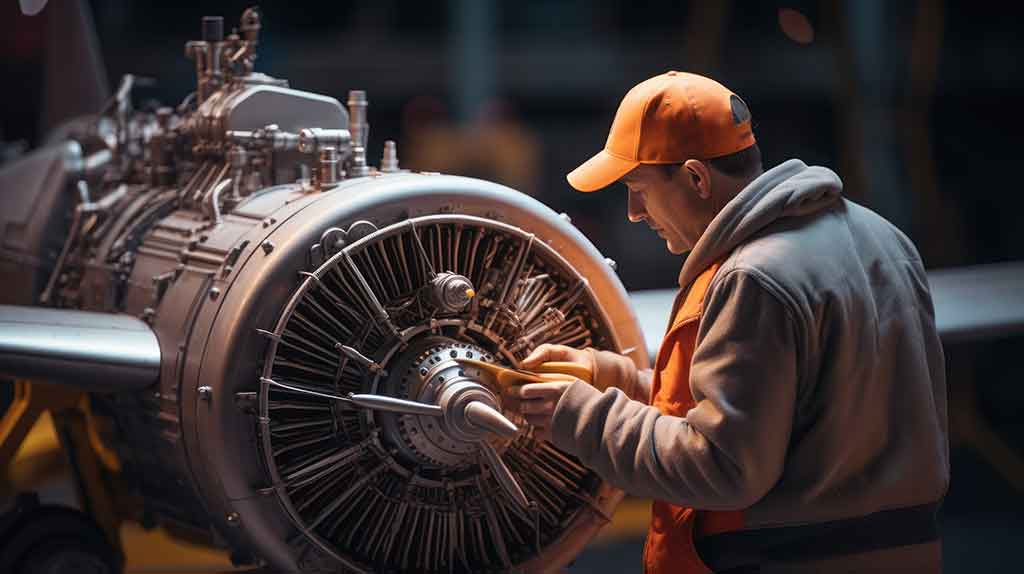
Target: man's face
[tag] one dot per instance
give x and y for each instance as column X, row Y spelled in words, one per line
column 662, row 197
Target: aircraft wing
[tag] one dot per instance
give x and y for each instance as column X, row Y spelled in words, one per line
column 971, row 303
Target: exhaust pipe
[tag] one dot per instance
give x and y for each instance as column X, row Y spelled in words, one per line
column 96, row 352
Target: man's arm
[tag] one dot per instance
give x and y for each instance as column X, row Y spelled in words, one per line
column 729, row 449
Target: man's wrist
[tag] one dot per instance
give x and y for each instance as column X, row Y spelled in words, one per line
column 613, row 370
column 644, row 382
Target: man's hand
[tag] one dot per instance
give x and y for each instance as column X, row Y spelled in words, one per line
column 537, row 402
column 609, row 369
column 547, row 353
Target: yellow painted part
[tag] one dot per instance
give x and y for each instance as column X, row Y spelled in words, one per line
column 38, row 459
column 155, row 550
column 553, row 371
column 151, row 552
column 40, row 440
column 576, row 370
column 631, row 520
column 106, row 456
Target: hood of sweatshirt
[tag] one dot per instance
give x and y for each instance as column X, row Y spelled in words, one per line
column 787, row 190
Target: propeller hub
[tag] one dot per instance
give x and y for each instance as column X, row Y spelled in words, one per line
column 469, row 398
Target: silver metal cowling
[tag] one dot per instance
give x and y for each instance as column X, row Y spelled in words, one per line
column 262, row 295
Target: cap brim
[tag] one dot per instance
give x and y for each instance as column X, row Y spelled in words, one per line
column 600, row 171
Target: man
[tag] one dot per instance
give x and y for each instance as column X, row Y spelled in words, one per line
column 795, row 418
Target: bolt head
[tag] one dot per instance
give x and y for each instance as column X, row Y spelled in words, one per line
column 360, row 229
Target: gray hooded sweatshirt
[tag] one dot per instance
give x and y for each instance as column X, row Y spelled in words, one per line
column 818, row 373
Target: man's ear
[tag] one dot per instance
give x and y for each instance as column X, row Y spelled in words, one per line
column 699, row 176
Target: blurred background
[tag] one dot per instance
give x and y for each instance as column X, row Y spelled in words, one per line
column 914, row 104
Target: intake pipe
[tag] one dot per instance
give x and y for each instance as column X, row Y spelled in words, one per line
column 96, row 352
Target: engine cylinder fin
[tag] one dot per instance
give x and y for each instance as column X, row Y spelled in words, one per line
column 494, row 529
column 314, row 332
column 428, row 267
column 382, row 257
column 316, row 308
column 307, row 348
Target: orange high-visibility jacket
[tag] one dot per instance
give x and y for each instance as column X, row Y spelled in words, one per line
column 670, row 539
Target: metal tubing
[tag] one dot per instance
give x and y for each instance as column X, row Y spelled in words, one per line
column 392, row 404
column 90, row 351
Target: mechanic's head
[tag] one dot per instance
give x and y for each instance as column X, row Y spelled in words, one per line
column 684, row 147
column 679, row 200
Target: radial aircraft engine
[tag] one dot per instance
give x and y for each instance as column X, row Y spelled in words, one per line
column 262, row 334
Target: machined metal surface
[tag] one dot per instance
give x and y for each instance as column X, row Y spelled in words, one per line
column 91, row 351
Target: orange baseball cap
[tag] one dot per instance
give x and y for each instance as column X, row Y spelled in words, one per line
column 669, row 118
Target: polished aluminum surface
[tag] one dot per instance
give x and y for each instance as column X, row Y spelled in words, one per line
column 482, row 415
column 92, row 351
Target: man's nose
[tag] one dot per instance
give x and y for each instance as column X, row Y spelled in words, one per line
column 635, row 208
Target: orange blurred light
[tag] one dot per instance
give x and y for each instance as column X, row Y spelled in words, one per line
column 796, row 26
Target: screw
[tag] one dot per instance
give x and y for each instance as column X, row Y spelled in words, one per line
column 565, row 217
column 267, row 246
column 611, row 263
column 233, row 519
column 205, row 392
column 214, row 292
